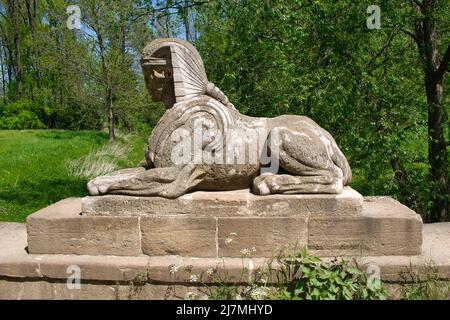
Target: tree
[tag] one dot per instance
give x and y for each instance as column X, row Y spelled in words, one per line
column 434, row 67
column 319, row 59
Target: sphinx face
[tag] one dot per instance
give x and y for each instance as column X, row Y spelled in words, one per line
column 159, row 82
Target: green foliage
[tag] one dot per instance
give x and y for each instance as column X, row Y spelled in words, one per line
column 428, row 287
column 308, row 277
column 319, row 59
column 22, row 114
column 64, row 72
column 428, row 290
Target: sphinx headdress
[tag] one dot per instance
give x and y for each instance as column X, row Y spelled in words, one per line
column 189, row 74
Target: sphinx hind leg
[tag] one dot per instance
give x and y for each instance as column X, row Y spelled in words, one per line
column 307, row 162
column 269, row 183
column 170, row 182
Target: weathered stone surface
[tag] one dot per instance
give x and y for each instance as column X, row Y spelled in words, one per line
column 227, row 203
column 179, row 235
column 100, row 273
column 386, row 227
column 117, row 205
column 93, row 267
column 348, row 202
column 25, row 290
column 391, row 228
column 10, row 290
column 60, row 228
column 381, row 226
column 158, row 292
column 260, row 236
column 340, row 236
column 87, row 291
column 14, row 260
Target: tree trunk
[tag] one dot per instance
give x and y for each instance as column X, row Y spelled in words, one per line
column 437, row 152
column 109, row 105
column 3, row 73
column 14, row 7
column 31, row 14
column 434, row 69
column 108, row 90
column 186, row 20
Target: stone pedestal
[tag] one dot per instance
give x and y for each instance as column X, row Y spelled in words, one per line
column 114, row 240
column 226, row 224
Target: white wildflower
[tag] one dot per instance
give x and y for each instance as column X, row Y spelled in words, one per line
column 259, row 293
column 174, row 269
column 253, row 249
column 210, row 271
column 245, row 252
column 228, row 241
column 190, row 296
column 193, row 278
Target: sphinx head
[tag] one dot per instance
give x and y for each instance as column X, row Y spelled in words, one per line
column 158, row 74
column 173, row 71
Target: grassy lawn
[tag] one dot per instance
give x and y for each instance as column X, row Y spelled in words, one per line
column 40, row 167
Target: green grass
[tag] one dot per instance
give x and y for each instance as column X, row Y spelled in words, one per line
column 34, row 171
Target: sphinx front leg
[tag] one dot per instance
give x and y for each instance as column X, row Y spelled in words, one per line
column 170, row 182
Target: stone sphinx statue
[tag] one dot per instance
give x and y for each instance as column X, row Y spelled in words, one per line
column 202, row 142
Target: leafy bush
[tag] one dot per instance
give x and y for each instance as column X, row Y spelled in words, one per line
column 308, row 277
column 20, row 115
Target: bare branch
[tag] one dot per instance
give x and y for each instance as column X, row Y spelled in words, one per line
column 3, row 15
column 409, row 33
column 383, row 48
column 165, row 11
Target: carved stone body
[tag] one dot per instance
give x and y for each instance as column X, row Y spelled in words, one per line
column 203, row 143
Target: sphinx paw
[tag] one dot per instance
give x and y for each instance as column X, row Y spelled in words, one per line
column 99, row 185
column 264, row 184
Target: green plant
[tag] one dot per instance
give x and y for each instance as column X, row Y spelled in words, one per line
column 135, row 287
column 429, row 287
column 297, row 276
column 22, row 114
column 303, row 276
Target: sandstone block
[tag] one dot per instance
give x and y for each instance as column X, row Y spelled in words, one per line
column 385, row 227
column 349, row 202
column 87, row 291
column 226, row 204
column 184, row 235
column 13, row 289
column 60, row 229
column 261, row 236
